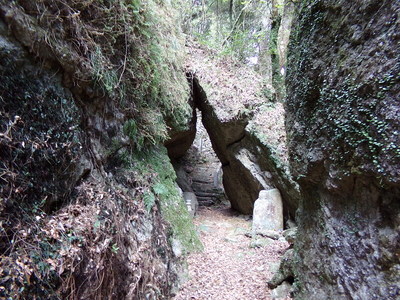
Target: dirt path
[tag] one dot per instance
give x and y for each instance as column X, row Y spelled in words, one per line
column 228, row 268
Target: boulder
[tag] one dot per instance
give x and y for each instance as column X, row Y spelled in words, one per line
column 282, row 291
column 285, row 271
column 260, row 242
column 268, row 211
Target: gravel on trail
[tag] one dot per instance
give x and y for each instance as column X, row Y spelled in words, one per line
column 228, row 268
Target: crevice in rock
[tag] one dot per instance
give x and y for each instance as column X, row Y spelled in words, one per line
column 247, row 165
column 199, row 171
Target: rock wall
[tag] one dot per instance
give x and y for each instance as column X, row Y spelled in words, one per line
column 41, row 144
column 89, row 208
column 343, row 122
column 179, row 141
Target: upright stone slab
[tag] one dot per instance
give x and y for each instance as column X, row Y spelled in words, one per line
column 268, row 211
column 191, row 202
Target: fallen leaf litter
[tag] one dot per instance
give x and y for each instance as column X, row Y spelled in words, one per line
column 228, row 268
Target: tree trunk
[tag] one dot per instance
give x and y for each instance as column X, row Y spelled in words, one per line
column 265, row 61
column 289, row 12
column 231, row 12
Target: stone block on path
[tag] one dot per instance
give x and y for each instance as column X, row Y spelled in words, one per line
column 191, row 202
column 268, row 211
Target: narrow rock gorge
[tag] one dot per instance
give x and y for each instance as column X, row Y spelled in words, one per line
column 104, row 110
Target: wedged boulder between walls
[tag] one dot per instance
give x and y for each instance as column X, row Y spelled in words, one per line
column 179, row 141
column 235, row 124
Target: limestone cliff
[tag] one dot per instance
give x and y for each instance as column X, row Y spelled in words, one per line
column 343, row 123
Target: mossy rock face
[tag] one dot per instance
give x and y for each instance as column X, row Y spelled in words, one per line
column 84, row 87
column 344, row 84
column 154, row 167
column 343, row 126
column 39, row 142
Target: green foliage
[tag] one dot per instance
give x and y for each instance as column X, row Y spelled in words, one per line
column 241, row 32
column 132, row 131
column 114, row 248
column 154, row 167
column 160, row 189
column 105, row 78
column 237, row 33
column 149, row 200
column 129, row 51
column 356, row 125
column 243, row 43
column 347, row 112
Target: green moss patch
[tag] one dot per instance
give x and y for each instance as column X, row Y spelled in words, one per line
column 154, row 166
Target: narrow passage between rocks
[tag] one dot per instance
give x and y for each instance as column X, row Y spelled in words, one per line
column 230, row 266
